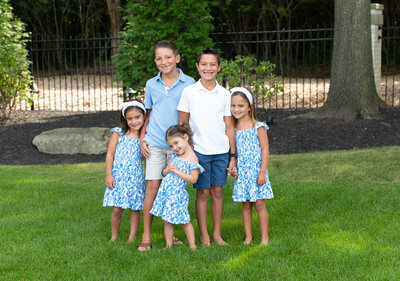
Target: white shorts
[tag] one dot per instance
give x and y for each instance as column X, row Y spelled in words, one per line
column 159, row 159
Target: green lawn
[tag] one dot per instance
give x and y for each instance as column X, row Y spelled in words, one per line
column 335, row 216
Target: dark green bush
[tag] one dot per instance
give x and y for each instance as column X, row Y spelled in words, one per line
column 15, row 77
column 185, row 22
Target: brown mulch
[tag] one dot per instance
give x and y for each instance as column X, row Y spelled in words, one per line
column 286, row 135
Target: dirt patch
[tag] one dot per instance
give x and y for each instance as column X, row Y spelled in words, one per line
column 286, row 135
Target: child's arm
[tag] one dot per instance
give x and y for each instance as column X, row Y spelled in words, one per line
column 192, row 177
column 230, row 132
column 183, row 117
column 263, row 137
column 143, row 144
column 166, row 170
column 110, row 182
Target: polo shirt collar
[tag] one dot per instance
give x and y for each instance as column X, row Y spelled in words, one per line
column 181, row 76
column 213, row 91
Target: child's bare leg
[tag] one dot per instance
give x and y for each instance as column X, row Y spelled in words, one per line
column 115, row 222
column 151, row 193
column 201, row 213
column 262, row 220
column 135, row 220
column 217, row 206
column 247, row 208
column 189, row 231
column 169, row 234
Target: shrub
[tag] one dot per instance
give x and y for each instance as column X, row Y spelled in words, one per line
column 257, row 76
column 15, row 77
column 185, row 22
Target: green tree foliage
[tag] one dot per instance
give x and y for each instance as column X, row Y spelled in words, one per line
column 256, row 75
column 185, row 22
column 14, row 74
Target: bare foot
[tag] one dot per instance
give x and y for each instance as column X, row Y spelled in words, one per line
column 131, row 240
column 264, row 242
column 193, row 248
column 205, row 242
column 167, row 247
column 112, row 239
column 220, row 241
column 247, row 241
column 176, row 241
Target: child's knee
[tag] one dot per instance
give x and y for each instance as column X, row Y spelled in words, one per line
column 216, row 193
column 247, row 205
column 259, row 205
column 117, row 212
column 203, row 194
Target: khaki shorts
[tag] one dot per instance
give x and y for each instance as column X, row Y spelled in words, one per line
column 159, row 159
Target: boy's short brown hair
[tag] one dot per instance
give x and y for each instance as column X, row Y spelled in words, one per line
column 208, row 51
column 167, row 44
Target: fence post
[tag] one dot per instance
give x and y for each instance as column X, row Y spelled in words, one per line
column 224, row 40
column 376, row 41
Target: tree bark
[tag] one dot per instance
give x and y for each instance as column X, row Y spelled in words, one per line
column 115, row 19
column 352, row 91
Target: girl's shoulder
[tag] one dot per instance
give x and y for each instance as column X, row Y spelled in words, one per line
column 117, row 130
column 259, row 124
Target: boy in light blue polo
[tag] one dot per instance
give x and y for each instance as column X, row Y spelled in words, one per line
column 162, row 95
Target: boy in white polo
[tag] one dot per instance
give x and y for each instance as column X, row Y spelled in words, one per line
column 206, row 106
column 162, row 95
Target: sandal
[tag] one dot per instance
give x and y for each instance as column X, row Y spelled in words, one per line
column 176, row 241
column 143, row 247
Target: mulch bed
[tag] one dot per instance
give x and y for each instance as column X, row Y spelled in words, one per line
column 286, row 135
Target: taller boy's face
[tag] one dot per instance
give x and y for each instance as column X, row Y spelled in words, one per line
column 166, row 60
column 208, row 67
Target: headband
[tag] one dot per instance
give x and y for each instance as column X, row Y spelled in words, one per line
column 125, row 105
column 244, row 91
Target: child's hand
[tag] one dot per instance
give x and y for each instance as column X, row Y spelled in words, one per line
column 145, row 150
column 261, row 179
column 172, row 168
column 232, row 172
column 110, row 182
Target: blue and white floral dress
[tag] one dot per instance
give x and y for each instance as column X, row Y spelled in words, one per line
column 127, row 170
column 171, row 203
column 248, row 166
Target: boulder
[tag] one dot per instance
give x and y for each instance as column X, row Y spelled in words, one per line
column 73, row 140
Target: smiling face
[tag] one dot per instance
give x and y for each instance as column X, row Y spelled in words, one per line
column 178, row 143
column 166, row 60
column 240, row 107
column 208, row 67
column 135, row 119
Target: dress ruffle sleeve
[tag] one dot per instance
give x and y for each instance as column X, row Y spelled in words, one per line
column 261, row 124
column 117, row 130
column 194, row 165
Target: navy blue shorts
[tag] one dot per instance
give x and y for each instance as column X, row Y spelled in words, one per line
column 215, row 172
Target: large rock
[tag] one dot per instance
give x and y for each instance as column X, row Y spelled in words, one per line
column 73, row 140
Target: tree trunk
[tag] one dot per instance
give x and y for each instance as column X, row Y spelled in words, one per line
column 352, row 91
column 115, row 19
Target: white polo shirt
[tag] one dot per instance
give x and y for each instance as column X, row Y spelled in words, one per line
column 207, row 110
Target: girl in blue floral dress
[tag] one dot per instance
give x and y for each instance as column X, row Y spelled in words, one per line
column 124, row 171
column 171, row 203
column 252, row 184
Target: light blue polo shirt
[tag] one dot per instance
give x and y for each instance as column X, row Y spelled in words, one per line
column 163, row 103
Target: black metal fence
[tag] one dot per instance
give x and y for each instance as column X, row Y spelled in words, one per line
column 74, row 74
column 303, row 61
column 78, row 74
